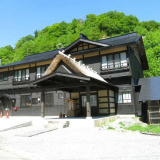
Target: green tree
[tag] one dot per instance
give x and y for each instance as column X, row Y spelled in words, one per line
column 6, row 54
column 23, row 40
column 36, row 32
column 152, row 46
column 150, row 25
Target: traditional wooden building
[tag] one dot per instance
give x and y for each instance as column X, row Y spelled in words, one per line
column 119, row 61
column 150, row 98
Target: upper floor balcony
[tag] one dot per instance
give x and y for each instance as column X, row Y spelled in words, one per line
column 114, row 62
column 114, row 66
column 21, row 80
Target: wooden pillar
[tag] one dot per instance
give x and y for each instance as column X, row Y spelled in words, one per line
column 88, row 106
column 108, row 101
column 43, row 103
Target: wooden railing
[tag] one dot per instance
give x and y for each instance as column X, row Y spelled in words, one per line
column 20, row 79
column 113, row 66
column 154, row 112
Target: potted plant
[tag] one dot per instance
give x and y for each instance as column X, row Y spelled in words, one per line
column 60, row 115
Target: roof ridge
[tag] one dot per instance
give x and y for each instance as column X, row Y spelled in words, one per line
column 74, row 60
column 99, row 41
column 133, row 34
column 42, row 53
column 83, row 67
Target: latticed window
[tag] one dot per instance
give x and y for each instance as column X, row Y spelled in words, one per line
column 93, row 100
column 40, row 71
column 49, row 100
column 60, row 95
column 124, row 97
column 4, row 76
column 21, row 75
column 35, row 100
column 26, row 101
column 118, row 60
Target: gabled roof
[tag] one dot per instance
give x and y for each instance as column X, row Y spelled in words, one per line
column 80, row 40
column 150, row 89
column 124, row 39
column 77, row 67
column 105, row 43
column 34, row 58
column 82, row 36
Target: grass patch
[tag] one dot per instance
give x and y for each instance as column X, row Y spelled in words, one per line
column 111, row 128
column 121, row 124
column 111, row 120
column 103, row 124
column 150, row 128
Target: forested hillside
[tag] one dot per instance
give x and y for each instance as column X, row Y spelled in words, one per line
column 106, row 25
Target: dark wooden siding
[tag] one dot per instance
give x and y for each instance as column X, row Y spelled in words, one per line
column 94, row 63
column 120, row 78
column 135, row 65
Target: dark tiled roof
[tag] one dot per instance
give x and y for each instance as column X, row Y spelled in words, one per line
column 119, row 40
column 78, row 41
column 150, row 89
column 34, row 58
column 127, row 38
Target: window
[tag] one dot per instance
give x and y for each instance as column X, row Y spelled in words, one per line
column 21, row 75
column 93, row 100
column 26, row 101
column 124, row 97
column 83, row 101
column 49, row 100
column 40, row 71
column 112, row 61
column 35, row 100
column 60, row 95
column 4, row 76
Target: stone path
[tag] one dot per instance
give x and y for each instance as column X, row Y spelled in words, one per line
column 36, row 132
column 84, row 144
column 4, row 155
column 80, row 142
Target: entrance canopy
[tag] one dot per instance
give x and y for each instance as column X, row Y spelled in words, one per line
column 65, row 73
column 70, row 82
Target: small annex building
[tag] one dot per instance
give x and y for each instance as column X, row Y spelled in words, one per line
column 150, row 99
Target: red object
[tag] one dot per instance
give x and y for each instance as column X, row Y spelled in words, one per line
column 7, row 116
column 1, row 115
column 15, row 108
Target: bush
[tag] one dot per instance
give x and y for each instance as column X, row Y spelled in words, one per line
column 150, row 128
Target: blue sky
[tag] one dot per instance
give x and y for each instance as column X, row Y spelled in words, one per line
column 20, row 18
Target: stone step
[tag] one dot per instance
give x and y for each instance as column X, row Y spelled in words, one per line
column 37, row 132
column 58, row 124
column 26, row 124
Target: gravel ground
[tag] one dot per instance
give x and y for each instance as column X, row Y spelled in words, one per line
column 82, row 144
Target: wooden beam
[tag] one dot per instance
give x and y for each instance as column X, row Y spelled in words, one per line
column 108, row 100
column 43, row 103
column 76, row 85
column 88, row 106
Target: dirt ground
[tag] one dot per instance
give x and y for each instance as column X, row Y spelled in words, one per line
column 82, row 144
